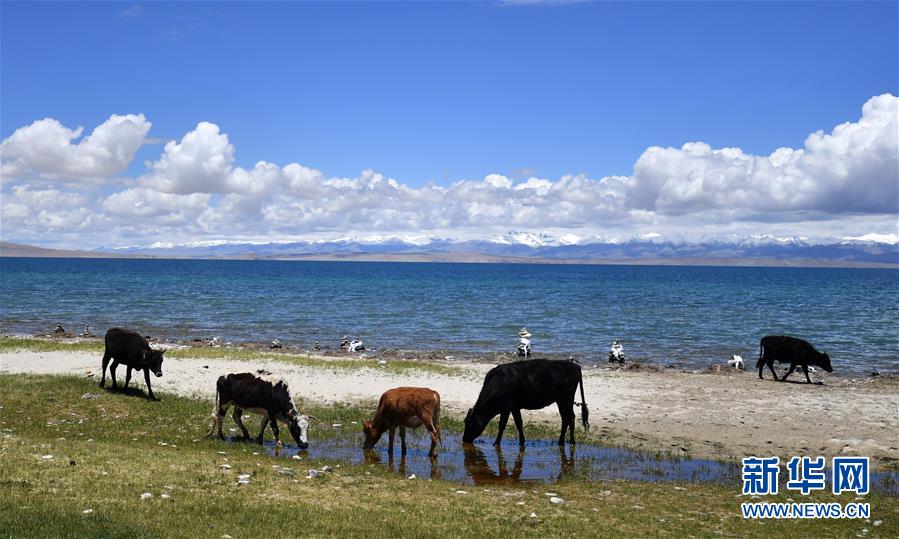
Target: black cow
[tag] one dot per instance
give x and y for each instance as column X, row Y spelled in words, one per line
column 529, row 385
column 131, row 349
column 797, row 351
column 263, row 393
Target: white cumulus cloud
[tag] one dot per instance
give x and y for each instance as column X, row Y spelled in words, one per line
column 46, row 148
column 852, row 169
column 841, row 183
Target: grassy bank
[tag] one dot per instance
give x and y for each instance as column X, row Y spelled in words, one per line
column 68, row 447
column 11, row 344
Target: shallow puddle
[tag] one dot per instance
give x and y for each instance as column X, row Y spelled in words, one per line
column 541, row 461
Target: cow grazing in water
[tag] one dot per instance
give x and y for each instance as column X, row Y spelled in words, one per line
column 404, row 407
column 528, row 385
column 797, row 351
column 263, row 393
column 132, row 350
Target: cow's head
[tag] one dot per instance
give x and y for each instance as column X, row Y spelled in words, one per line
column 474, row 426
column 299, row 429
column 154, row 360
column 825, row 363
column 372, row 434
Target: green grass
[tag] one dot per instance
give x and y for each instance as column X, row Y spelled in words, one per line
column 11, row 344
column 106, row 452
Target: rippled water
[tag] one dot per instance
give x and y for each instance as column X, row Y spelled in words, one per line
column 683, row 315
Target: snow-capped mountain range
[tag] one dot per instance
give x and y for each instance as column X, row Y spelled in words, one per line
column 869, row 249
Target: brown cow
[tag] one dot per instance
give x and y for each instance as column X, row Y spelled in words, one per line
column 404, row 407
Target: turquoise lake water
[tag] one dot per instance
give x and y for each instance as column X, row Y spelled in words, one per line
column 663, row 315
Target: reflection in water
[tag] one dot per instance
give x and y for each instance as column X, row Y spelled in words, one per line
column 373, row 456
column 540, row 461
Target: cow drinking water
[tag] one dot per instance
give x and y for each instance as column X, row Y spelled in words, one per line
column 132, row 350
column 404, row 407
column 797, row 351
column 263, row 393
column 528, row 385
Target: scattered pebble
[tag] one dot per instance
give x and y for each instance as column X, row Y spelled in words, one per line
column 47, row 457
column 87, row 511
column 313, row 474
column 533, row 515
column 327, row 468
column 519, row 503
column 226, row 466
column 222, row 453
column 146, row 496
column 411, row 476
column 461, row 492
column 556, row 500
column 335, row 425
column 165, row 496
column 295, row 457
column 550, row 494
column 878, row 522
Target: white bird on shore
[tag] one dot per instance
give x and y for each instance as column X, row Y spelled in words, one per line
column 736, row 362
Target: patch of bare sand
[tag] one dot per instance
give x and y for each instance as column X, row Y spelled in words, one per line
column 706, row 415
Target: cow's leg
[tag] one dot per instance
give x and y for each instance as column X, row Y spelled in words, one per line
column 261, row 436
column 275, row 430
column 805, row 369
column 503, row 419
column 432, row 430
column 564, row 413
column 770, row 364
column 390, row 440
column 237, row 417
column 127, row 377
column 519, row 424
column 789, row 372
column 402, row 440
column 112, row 368
column 149, row 388
column 106, row 358
column 219, row 419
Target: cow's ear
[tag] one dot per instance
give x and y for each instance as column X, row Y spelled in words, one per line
column 162, row 351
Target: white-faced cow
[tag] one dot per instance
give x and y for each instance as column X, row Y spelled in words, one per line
column 797, row 351
column 404, row 407
column 132, row 350
column 263, row 393
column 528, row 385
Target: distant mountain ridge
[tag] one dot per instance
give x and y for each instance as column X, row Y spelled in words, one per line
column 517, row 246
column 527, row 245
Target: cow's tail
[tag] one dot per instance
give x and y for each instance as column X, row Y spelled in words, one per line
column 437, row 418
column 585, row 413
column 758, row 364
column 216, row 408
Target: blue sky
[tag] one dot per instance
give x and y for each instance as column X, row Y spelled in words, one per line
column 448, row 91
column 442, row 92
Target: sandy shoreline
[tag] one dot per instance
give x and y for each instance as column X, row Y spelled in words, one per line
column 722, row 416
